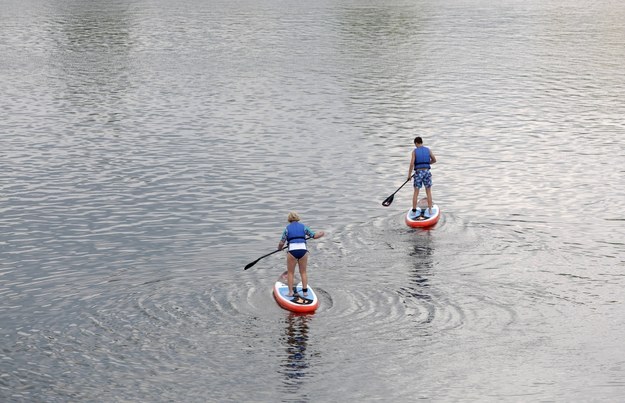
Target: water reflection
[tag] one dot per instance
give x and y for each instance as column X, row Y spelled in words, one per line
column 416, row 291
column 418, row 285
column 295, row 366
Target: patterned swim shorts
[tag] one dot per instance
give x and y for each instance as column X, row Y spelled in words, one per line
column 423, row 178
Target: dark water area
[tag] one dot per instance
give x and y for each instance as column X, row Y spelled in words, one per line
column 151, row 149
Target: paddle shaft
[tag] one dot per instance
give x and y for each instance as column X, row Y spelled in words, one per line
column 264, row 256
column 403, row 184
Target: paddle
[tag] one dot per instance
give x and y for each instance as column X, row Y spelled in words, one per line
column 247, row 266
column 262, row 257
column 389, row 199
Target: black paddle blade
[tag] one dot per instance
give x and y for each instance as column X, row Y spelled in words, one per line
column 388, row 200
column 251, row 264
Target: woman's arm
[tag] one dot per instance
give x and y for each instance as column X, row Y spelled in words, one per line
column 282, row 240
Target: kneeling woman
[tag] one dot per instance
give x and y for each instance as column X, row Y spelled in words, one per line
column 295, row 234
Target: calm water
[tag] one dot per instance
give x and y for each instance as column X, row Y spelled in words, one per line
column 150, row 149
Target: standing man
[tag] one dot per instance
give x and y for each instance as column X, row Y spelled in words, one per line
column 420, row 160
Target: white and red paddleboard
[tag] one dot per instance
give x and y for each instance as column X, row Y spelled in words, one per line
column 298, row 302
column 422, row 218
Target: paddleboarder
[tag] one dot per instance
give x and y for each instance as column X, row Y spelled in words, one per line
column 295, row 235
column 421, row 158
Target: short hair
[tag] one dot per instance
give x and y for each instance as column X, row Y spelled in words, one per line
column 293, row 216
column 418, row 140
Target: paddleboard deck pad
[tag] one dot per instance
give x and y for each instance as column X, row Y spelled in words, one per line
column 422, row 217
column 297, row 302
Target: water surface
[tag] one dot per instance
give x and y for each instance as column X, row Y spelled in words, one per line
column 150, row 150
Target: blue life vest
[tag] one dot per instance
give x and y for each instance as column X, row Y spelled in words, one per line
column 296, row 232
column 422, row 157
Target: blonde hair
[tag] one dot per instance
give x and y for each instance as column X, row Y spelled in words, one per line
column 293, row 216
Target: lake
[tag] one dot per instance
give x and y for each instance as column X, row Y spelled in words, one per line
column 151, row 149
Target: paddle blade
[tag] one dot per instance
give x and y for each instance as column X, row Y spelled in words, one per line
column 388, row 200
column 251, row 264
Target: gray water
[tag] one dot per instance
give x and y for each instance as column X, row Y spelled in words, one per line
column 151, row 149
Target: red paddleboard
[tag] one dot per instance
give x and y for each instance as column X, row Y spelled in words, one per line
column 298, row 302
column 422, row 217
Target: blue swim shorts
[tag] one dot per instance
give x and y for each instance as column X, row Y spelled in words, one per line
column 422, row 177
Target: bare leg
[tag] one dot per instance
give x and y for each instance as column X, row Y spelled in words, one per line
column 290, row 267
column 303, row 262
column 428, row 192
column 415, row 198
